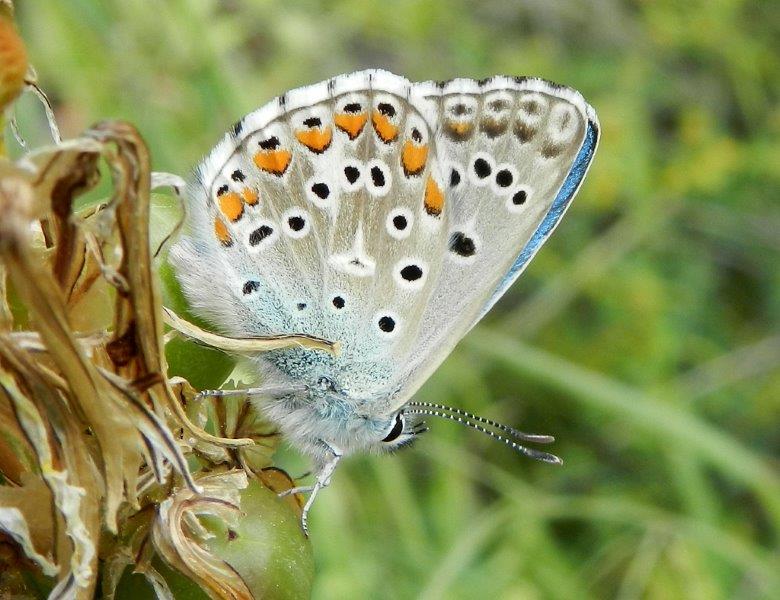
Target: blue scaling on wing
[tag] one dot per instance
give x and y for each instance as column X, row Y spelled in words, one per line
column 553, row 216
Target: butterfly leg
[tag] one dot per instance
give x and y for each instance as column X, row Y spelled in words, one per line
column 227, row 393
column 301, row 489
column 323, row 480
column 266, row 390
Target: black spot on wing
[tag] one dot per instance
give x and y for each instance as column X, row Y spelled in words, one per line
column 377, row 176
column 259, row 234
column 386, row 324
column 482, row 168
column 462, row 245
column 519, row 197
column 504, row 178
column 251, row 286
column 351, row 173
column 386, row 109
column 272, row 143
column 296, row 223
column 321, row 190
column 411, row 272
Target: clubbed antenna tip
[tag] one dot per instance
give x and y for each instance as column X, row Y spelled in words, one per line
column 511, row 437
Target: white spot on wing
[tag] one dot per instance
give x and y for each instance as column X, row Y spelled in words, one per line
column 562, row 124
column 355, row 261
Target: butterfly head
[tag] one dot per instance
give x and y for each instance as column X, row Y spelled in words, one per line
column 380, row 433
column 403, row 430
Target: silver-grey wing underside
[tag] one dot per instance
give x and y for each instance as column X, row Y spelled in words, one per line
column 515, row 152
column 386, row 215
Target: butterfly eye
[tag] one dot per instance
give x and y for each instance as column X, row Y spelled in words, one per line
column 397, row 430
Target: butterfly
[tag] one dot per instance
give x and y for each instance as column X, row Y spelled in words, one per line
column 386, row 215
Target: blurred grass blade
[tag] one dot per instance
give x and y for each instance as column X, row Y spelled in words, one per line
column 664, row 420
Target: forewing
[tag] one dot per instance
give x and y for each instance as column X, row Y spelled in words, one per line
column 322, row 213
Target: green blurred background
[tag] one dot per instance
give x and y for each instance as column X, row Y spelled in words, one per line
column 645, row 336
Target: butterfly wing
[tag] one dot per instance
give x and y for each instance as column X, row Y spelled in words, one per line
column 514, row 153
column 386, row 215
column 321, row 213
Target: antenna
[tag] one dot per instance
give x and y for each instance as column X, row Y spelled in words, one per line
column 467, row 419
column 516, row 433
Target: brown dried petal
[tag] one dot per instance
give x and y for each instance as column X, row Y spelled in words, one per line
column 67, row 497
column 178, row 535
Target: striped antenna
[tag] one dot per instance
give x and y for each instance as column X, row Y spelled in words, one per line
column 515, row 433
column 460, row 417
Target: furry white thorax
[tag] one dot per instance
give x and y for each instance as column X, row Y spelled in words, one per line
column 321, row 411
column 304, row 422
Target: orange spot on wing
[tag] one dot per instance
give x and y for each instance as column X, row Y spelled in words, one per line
column 386, row 131
column 221, row 231
column 315, row 139
column 460, row 128
column 273, row 161
column 434, row 198
column 231, row 206
column 413, row 158
column 352, row 125
column 249, row 195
